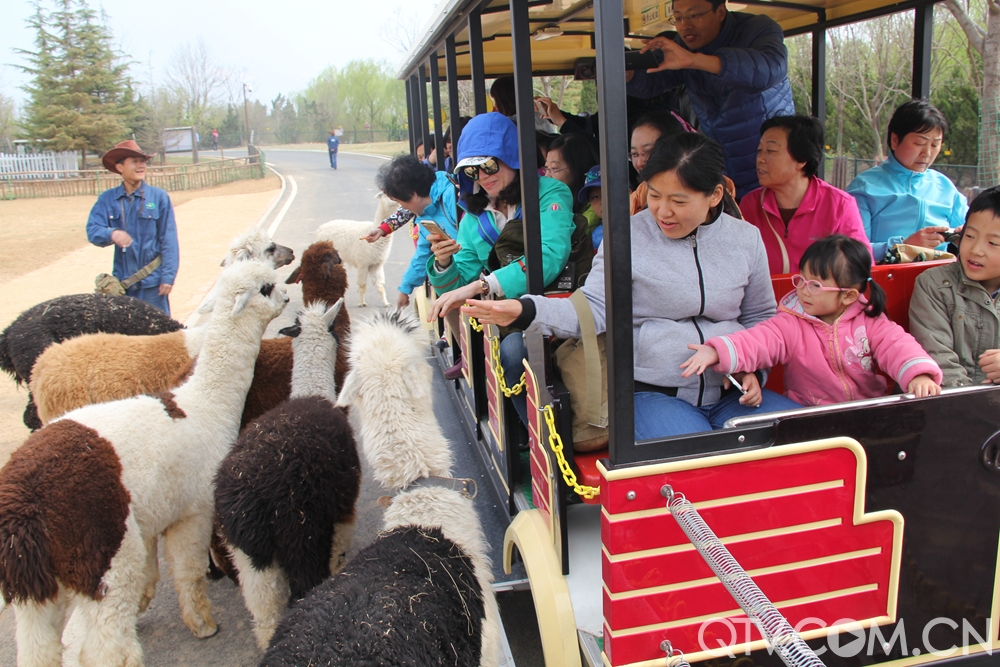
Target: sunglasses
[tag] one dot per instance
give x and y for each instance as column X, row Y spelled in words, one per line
column 489, row 168
column 813, row 286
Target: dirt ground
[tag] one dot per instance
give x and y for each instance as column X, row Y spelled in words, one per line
column 47, row 255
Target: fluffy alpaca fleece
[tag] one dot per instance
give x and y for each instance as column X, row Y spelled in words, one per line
column 256, row 244
column 366, row 258
column 285, row 494
column 84, row 498
column 421, row 594
column 98, row 368
column 69, row 316
column 323, row 278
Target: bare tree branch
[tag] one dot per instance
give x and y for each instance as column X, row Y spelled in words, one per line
column 972, row 30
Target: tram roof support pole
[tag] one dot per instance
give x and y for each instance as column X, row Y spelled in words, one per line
column 819, row 80
column 923, row 38
column 613, row 129
column 454, row 110
column 477, row 66
column 422, row 99
column 520, row 31
column 416, row 132
column 410, row 121
column 436, row 111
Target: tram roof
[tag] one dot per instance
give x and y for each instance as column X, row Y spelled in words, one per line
column 575, row 22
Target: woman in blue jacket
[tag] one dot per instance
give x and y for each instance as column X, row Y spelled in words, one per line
column 429, row 195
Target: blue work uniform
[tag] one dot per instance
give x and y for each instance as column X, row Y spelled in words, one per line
column 751, row 87
column 148, row 217
column 332, row 144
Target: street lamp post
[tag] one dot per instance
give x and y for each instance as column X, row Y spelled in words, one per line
column 246, row 114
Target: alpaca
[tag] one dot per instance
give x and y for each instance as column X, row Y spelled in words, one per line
column 84, row 498
column 102, row 367
column 285, row 494
column 366, row 258
column 421, row 594
column 256, row 244
column 69, row 316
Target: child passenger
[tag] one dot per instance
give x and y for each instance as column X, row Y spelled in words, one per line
column 953, row 312
column 828, row 334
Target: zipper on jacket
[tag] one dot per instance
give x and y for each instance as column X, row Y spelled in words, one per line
column 701, row 311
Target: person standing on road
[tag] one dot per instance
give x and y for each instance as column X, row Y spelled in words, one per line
column 734, row 66
column 332, row 144
column 139, row 220
column 215, row 138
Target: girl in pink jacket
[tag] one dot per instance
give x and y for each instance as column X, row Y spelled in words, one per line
column 827, row 334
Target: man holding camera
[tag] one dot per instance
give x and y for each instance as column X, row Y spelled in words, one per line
column 139, row 220
column 734, row 66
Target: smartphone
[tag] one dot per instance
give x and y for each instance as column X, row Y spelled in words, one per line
column 637, row 60
column 433, row 228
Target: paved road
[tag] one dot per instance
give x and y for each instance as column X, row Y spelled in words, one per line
column 322, row 194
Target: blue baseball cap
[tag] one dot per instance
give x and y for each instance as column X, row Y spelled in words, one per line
column 591, row 180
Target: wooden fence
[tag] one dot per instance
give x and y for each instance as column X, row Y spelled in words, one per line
column 94, row 182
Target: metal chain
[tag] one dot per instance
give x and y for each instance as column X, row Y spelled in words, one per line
column 498, row 369
column 556, row 443
column 786, row 642
column 476, row 326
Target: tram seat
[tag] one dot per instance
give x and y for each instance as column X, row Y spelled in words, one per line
column 896, row 279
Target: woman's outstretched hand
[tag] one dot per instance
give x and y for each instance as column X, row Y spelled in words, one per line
column 502, row 313
column 703, row 357
column 453, row 299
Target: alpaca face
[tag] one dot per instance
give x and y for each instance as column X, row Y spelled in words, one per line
column 251, row 286
column 256, row 244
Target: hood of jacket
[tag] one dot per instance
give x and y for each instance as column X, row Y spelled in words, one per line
column 488, row 135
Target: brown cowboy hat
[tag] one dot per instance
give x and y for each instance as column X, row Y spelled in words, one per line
column 120, row 152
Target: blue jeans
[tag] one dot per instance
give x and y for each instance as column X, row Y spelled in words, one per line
column 512, row 355
column 150, row 295
column 333, row 159
column 661, row 416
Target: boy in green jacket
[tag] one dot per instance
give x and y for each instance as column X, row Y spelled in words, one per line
column 953, row 311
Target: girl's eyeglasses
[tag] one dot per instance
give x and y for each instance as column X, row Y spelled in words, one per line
column 550, row 170
column 813, row 286
column 489, row 168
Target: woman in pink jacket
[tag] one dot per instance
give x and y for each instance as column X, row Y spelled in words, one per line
column 827, row 334
column 794, row 207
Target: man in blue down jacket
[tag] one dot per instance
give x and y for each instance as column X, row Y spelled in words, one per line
column 735, row 68
column 139, row 220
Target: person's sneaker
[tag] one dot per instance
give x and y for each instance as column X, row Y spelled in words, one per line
column 441, row 343
column 455, row 371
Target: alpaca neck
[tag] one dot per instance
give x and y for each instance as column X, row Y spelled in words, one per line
column 312, row 368
column 194, row 339
column 224, row 370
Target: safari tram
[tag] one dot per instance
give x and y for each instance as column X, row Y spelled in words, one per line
column 864, row 533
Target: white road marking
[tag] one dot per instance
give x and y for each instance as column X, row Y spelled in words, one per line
column 284, row 209
column 274, row 202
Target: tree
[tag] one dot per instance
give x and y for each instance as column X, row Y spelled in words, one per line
column 80, row 95
column 197, row 79
column 985, row 42
column 8, row 118
column 364, row 91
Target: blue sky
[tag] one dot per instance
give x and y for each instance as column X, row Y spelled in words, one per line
column 282, row 45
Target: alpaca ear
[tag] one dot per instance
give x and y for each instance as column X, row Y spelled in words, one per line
column 331, row 314
column 242, row 299
column 292, row 331
column 349, row 392
column 294, row 277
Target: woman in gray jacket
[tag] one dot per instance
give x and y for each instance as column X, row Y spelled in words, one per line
column 696, row 273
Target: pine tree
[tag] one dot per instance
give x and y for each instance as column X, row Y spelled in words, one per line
column 80, row 96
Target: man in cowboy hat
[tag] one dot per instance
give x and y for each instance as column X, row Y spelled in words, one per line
column 139, row 220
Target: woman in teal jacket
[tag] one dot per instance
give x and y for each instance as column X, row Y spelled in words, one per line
column 491, row 196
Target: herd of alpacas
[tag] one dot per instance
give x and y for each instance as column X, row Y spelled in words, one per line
column 239, row 450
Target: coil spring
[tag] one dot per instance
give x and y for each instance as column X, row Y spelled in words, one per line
column 785, row 641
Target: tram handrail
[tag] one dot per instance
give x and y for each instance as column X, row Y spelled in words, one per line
column 770, row 417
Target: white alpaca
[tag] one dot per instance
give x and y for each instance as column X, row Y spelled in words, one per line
column 367, row 258
column 255, row 243
column 284, row 531
column 84, row 499
column 389, row 389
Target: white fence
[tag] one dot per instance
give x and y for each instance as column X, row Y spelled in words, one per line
column 39, row 162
